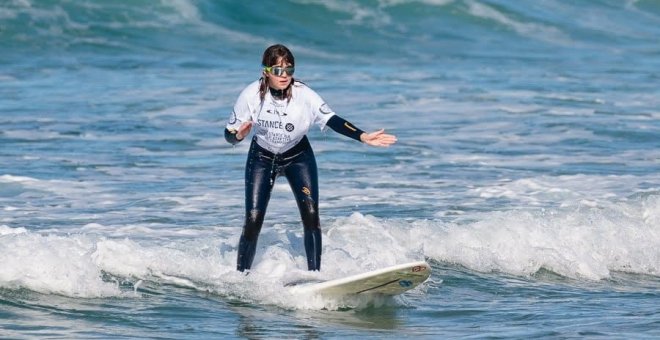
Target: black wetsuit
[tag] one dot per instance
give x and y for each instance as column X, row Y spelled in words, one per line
column 298, row 165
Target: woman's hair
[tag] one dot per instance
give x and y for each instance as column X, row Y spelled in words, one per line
column 271, row 55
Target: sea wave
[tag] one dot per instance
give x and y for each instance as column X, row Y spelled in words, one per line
column 583, row 242
column 324, row 29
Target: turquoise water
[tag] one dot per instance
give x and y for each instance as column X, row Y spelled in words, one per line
column 526, row 172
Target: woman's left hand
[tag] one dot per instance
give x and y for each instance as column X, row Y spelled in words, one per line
column 378, row 138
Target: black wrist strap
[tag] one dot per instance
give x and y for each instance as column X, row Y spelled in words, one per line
column 230, row 136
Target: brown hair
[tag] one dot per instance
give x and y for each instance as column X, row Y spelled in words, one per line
column 271, row 55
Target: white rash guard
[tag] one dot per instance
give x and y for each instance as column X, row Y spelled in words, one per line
column 280, row 124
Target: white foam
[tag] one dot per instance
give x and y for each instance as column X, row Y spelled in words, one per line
column 32, row 135
column 360, row 14
column 73, row 265
column 6, row 230
column 52, row 264
column 583, row 241
column 587, row 240
column 74, row 189
column 16, row 179
column 185, row 9
column 533, row 30
column 558, row 190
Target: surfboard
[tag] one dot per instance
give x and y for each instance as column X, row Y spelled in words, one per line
column 392, row 280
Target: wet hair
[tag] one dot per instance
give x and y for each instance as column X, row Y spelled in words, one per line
column 271, row 55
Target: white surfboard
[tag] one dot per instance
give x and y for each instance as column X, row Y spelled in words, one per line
column 387, row 281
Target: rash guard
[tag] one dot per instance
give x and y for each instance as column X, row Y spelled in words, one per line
column 280, row 124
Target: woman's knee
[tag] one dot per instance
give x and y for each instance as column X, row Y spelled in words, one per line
column 253, row 221
column 309, row 214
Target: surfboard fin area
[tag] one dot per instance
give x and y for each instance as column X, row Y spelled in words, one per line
column 392, row 280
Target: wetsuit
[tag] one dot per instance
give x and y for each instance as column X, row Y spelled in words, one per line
column 280, row 147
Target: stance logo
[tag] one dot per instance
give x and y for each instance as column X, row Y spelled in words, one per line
column 289, row 127
column 306, row 191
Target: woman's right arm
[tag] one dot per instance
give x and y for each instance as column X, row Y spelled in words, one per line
column 240, row 121
column 234, row 136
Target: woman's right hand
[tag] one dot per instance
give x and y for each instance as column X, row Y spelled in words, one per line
column 244, row 130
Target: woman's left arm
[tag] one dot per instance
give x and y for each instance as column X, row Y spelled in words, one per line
column 377, row 138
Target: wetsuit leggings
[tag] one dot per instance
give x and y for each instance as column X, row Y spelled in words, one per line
column 298, row 165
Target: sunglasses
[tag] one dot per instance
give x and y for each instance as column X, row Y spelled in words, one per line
column 279, row 70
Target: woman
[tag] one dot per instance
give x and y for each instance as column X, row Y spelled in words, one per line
column 281, row 111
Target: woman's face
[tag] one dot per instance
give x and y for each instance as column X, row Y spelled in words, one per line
column 279, row 82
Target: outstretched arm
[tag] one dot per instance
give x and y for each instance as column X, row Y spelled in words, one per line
column 378, row 138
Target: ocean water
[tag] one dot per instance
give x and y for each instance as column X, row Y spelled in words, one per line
column 527, row 171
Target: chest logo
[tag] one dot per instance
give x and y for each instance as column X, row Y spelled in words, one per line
column 289, row 127
column 276, row 112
